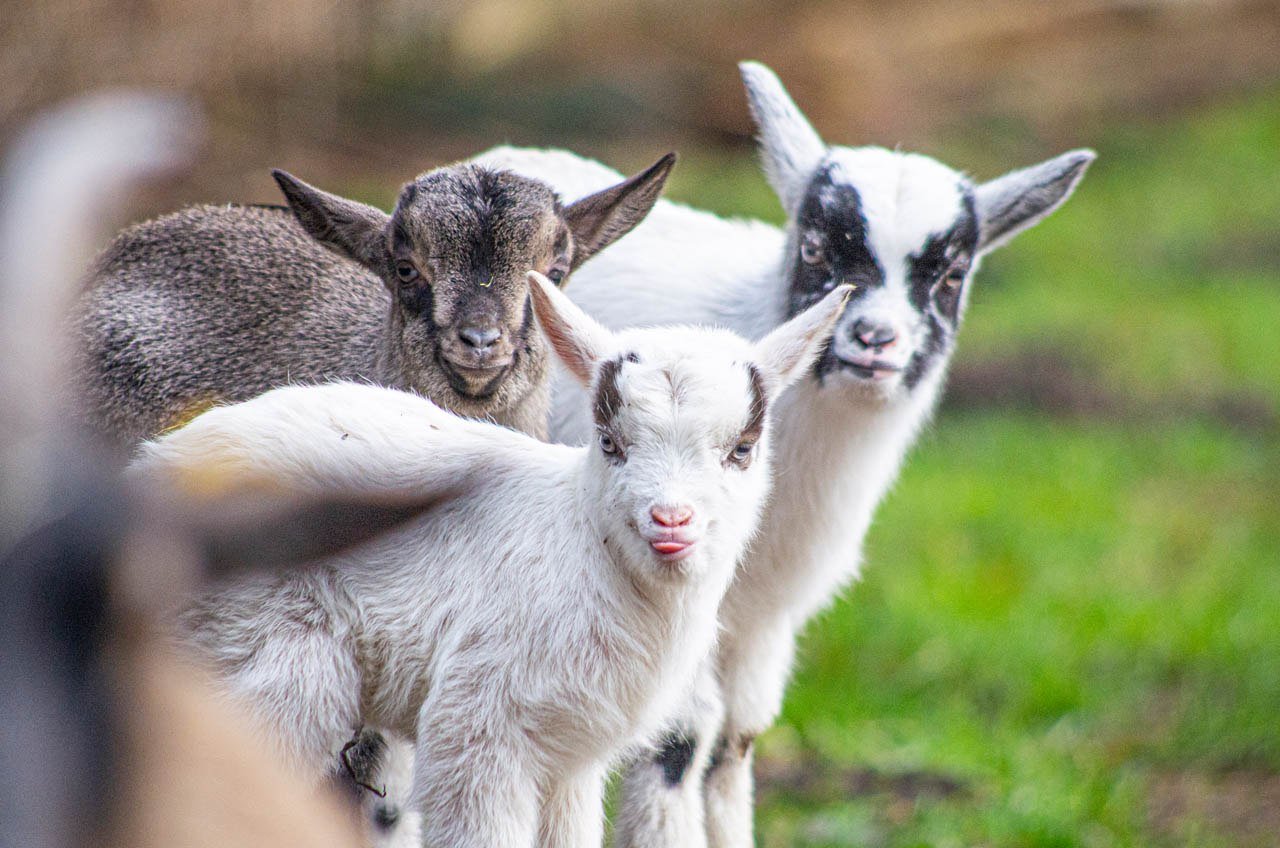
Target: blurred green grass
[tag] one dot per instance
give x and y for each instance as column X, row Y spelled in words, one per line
column 1062, row 614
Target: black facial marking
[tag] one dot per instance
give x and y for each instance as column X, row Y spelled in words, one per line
column 608, row 398
column 755, row 424
column 832, row 210
column 934, row 348
column 754, row 427
column 931, row 297
column 674, row 756
column 608, row 402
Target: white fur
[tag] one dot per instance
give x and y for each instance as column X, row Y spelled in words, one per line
column 526, row 632
column 839, row 442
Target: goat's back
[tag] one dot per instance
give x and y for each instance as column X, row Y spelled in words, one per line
column 216, row 304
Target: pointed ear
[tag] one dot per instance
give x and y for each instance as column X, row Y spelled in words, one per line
column 1021, row 199
column 600, row 219
column 786, row 353
column 352, row 229
column 790, row 148
column 578, row 341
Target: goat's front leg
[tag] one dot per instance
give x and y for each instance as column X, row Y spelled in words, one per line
column 730, row 792
column 573, row 812
column 753, row 671
column 661, row 805
column 472, row 781
column 274, row 651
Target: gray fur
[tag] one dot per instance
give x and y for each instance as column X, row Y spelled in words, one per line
column 216, row 304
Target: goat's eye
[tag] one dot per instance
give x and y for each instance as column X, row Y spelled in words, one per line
column 811, row 250
column 954, row 278
column 608, row 445
column 742, row 452
column 406, row 272
column 557, row 274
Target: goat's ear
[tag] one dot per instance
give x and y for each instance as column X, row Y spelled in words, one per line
column 578, row 341
column 600, row 219
column 1021, row 199
column 789, row 146
column 352, row 229
column 786, row 353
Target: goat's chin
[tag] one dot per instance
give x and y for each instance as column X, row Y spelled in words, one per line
column 873, row 391
column 650, row 568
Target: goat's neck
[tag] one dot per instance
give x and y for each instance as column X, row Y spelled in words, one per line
column 835, row 456
column 389, row 366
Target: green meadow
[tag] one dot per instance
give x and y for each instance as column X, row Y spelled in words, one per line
column 1068, row 627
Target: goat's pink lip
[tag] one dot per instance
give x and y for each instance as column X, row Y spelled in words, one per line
column 872, row 369
column 672, row 550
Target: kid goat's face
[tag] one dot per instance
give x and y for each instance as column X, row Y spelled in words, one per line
column 679, row 445
column 679, row 466
column 906, row 230
column 902, row 229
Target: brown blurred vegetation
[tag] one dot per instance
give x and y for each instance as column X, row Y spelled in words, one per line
column 352, row 91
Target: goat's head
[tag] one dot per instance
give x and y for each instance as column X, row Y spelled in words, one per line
column 681, row 456
column 907, row 230
column 454, row 254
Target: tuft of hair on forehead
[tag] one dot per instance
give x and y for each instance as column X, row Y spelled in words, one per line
column 474, row 195
column 678, row 362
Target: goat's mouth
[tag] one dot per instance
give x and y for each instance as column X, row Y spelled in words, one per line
column 475, row 380
column 874, row 370
column 672, row 550
column 671, row 547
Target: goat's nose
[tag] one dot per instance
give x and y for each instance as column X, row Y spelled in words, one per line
column 873, row 333
column 479, row 338
column 672, row 516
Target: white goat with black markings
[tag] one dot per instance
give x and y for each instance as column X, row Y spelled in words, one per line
column 546, row 617
column 909, row 232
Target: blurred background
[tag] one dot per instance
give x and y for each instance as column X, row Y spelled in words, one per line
column 1068, row 632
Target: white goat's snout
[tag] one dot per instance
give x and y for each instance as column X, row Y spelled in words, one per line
column 672, row 528
column 877, row 341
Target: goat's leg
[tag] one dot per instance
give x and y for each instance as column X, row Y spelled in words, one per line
column 472, row 780
column 753, row 668
column 378, row 770
column 729, row 792
column 661, row 805
column 300, row 680
column 573, row 812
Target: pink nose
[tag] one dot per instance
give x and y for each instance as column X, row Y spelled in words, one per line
column 874, row 334
column 672, row 516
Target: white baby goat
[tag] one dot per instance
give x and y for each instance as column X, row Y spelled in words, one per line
column 546, row 617
column 909, row 232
